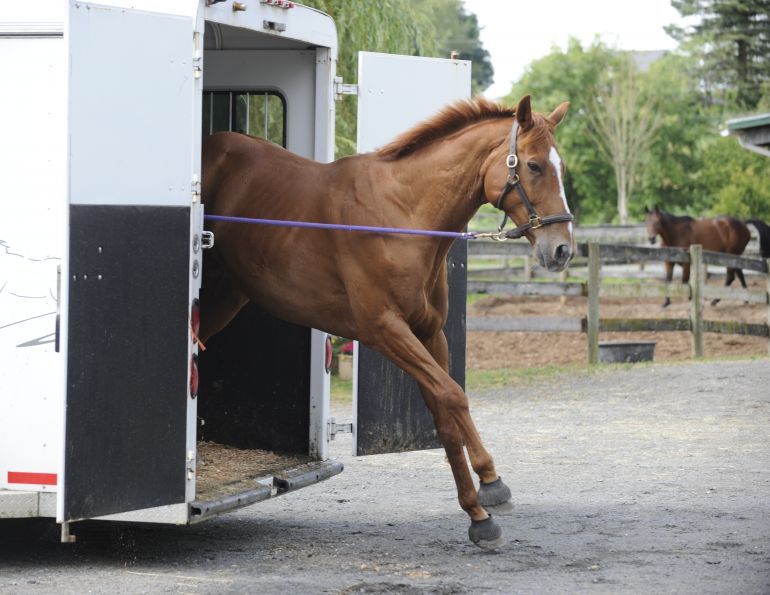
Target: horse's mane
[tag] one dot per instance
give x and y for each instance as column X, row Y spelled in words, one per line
column 673, row 217
column 451, row 119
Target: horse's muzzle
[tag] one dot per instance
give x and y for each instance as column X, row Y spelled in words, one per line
column 652, row 239
column 562, row 256
column 556, row 260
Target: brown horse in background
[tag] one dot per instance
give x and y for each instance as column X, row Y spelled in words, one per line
column 720, row 234
column 388, row 291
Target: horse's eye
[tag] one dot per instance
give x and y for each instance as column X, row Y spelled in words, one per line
column 534, row 167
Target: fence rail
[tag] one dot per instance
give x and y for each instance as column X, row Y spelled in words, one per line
column 598, row 255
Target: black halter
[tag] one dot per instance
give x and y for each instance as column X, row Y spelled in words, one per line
column 535, row 222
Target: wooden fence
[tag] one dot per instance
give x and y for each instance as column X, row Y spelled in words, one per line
column 599, row 255
column 505, row 254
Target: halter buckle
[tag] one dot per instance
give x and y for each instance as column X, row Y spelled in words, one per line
column 512, row 161
column 535, row 222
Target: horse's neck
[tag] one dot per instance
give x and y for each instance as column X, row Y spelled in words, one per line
column 674, row 231
column 443, row 182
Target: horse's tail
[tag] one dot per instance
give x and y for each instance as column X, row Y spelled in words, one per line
column 764, row 236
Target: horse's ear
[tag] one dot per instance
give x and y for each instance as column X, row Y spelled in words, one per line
column 656, row 208
column 557, row 115
column 524, row 113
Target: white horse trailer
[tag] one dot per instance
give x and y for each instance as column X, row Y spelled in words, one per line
column 102, row 241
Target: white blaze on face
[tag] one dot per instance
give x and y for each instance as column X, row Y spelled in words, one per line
column 553, row 157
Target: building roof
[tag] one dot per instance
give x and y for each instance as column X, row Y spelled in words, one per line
column 753, row 132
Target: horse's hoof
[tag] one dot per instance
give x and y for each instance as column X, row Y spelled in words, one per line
column 494, row 493
column 666, row 303
column 504, row 509
column 486, row 534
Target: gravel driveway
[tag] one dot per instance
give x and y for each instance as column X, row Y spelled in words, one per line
column 647, row 479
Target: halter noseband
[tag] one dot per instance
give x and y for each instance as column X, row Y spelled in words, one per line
column 535, row 221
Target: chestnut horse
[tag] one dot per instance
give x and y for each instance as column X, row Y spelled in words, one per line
column 720, row 234
column 388, row 291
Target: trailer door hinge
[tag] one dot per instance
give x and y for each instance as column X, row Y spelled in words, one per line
column 335, row 428
column 341, row 88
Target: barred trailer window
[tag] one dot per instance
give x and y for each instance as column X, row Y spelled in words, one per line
column 258, row 113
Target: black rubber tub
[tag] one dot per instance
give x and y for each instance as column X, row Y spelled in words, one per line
column 619, row 352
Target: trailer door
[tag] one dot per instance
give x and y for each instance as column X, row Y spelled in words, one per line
column 395, row 93
column 132, row 268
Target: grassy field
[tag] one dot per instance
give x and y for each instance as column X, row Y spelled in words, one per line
column 478, row 380
column 341, row 390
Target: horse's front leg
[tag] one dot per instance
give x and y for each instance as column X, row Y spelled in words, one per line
column 669, row 268
column 448, row 403
column 493, row 494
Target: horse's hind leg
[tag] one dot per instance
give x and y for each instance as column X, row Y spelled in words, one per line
column 729, row 278
column 741, row 278
column 220, row 300
column 449, row 406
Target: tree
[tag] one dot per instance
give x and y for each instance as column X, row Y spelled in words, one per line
column 456, row 29
column 412, row 27
column 672, row 175
column 623, row 121
column 732, row 42
column 570, row 75
column 393, row 26
column 736, row 181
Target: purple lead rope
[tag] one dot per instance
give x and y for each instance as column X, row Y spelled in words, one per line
column 469, row 235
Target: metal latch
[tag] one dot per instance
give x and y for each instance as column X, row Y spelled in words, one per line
column 341, row 88
column 207, row 240
column 334, row 428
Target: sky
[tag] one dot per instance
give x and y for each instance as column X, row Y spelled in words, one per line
column 515, row 32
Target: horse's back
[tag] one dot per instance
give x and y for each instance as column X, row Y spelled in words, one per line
column 219, row 154
column 229, row 159
column 736, row 234
column 722, row 234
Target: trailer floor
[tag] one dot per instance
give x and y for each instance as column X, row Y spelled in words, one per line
column 225, row 470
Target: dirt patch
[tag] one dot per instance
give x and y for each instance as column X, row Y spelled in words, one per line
column 490, row 350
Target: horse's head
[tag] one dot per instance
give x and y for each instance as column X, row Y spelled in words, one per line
column 530, row 172
column 654, row 222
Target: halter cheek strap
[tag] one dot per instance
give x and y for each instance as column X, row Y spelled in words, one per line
column 513, row 181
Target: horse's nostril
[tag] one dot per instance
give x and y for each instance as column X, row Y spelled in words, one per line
column 562, row 253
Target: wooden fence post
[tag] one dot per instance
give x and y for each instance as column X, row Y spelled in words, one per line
column 767, row 263
column 563, row 279
column 696, row 296
column 594, row 284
